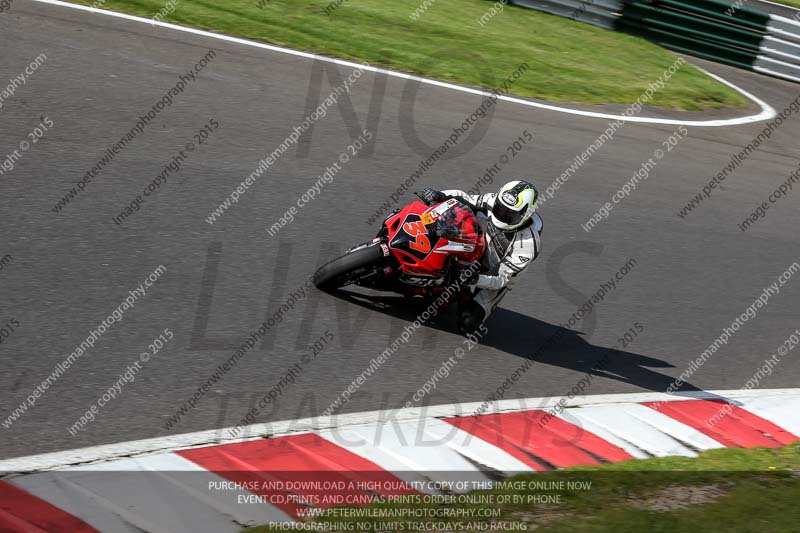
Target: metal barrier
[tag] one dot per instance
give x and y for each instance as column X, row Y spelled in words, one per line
column 712, row 29
column 780, row 49
column 601, row 13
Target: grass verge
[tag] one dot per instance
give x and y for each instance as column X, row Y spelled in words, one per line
column 729, row 490
column 790, row 3
column 569, row 61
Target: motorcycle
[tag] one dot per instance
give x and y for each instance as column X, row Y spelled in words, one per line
column 418, row 251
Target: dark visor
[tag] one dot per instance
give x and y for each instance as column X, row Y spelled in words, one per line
column 507, row 215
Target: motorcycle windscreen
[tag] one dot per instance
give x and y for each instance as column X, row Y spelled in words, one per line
column 414, row 238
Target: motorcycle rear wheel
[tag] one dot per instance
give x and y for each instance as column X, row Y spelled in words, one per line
column 348, row 268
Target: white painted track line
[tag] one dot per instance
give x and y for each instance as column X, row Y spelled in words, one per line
column 767, row 112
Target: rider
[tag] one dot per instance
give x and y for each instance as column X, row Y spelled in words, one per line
column 513, row 238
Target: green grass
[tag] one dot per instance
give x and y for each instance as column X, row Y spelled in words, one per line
column 731, row 490
column 569, row 61
column 791, row 3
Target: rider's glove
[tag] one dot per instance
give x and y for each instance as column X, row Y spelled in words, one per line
column 469, row 276
column 431, row 196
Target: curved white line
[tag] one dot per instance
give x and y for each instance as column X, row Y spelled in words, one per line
column 767, row 112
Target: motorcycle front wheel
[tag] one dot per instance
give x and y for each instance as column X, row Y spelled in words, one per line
column 349, row 268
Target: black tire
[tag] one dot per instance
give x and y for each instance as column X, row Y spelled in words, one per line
column 348, row 268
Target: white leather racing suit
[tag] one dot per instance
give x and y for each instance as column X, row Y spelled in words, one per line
column 507, row 253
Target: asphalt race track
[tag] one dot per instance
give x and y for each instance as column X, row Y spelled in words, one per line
column 70, row 270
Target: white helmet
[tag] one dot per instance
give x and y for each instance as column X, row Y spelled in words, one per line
column 514, row 205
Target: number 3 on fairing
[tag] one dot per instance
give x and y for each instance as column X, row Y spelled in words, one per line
column 417, row 229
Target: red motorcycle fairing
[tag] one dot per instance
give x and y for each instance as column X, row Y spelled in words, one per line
column 422, row 239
